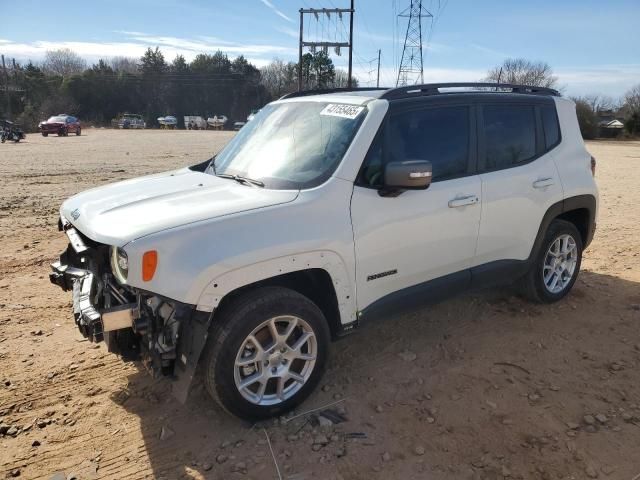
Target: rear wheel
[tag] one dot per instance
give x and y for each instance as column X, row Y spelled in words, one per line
column 78, row 131
column 557, row 264
column 267, row 352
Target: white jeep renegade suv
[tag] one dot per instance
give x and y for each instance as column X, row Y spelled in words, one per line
column 323, row 211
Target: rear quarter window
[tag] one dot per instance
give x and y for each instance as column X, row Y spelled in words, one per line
column 550, row 126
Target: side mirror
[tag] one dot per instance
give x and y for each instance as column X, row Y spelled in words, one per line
column 407, row 175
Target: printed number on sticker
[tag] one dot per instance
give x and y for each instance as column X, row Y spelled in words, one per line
column 341, row 110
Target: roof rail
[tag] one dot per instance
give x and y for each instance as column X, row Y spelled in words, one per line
column 305, row 93
column 434, row 89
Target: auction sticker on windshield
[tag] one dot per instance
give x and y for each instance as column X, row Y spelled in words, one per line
column 342, row 110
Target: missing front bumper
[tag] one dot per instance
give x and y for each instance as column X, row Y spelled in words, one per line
column 91, row 322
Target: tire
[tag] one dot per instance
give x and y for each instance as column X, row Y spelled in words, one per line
column 45, row 134
column 78, row 131
column 229, row 342
column 533, row 284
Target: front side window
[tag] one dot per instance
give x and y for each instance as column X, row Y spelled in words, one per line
column 439, row 135
column 510, row 135
column 291, row 145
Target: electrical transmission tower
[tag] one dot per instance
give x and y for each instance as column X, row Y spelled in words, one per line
column 411, row 69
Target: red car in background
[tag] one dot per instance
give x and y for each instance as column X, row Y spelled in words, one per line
column 60, row 124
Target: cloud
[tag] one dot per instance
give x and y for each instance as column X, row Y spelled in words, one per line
column 613, row 80
column 388, row 75
column 289, row 32
column 489, row 51
column 135, row 43
column 276, row 11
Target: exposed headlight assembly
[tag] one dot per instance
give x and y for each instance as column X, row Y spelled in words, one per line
column 119, row 264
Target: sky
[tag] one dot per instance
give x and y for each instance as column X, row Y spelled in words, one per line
column 592, row 46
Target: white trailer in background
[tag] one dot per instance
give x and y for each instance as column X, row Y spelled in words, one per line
column 195, row 122
column 217, row 122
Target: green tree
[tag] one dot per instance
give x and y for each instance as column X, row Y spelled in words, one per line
column 631, row 111
column 318, row 71
column 587, row 118
column 154, row 84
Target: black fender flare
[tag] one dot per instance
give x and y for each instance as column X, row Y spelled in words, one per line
column 587, row 202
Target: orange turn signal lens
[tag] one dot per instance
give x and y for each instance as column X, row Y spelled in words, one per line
column 149, row 264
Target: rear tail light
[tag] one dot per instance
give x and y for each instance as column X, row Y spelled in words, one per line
column 593, row 165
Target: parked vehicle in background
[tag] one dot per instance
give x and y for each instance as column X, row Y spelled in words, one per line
column 131, row 120
column 358, row 205
column 238, row 125
column 62, row 125
column 10, row 131
column 195, row 122
column 169, row 121
column 217, row 122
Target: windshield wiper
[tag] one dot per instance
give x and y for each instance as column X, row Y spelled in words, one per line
column 241, row 179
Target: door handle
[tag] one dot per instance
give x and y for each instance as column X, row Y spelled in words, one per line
column 543, row 182
column 463, row 201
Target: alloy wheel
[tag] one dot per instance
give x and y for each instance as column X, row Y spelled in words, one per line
column 275, row 360
column 560, row 263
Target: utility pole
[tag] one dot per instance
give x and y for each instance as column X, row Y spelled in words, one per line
column 378, row 81
column 411, row 64
column 349, row 83
column 6, row 87
column 317, row 12
column 300, row 52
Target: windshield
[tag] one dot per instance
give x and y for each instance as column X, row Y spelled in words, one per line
column 291, row 145
column 57, row 119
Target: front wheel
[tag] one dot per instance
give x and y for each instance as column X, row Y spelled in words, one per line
column 267, row 352
column 45, row 134
column 78, row 131
column 556, row 267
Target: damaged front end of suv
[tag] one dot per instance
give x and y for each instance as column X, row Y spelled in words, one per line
column 166, row 335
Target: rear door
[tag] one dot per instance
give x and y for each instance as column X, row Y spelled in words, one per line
column 518, row 174
column 419, row 235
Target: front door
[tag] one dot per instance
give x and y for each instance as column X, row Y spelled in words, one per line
column 419, row 235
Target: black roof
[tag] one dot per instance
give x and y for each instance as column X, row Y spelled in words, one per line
column 429, row 89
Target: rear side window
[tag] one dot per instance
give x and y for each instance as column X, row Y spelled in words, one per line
column 510, row 135
column 550, row 126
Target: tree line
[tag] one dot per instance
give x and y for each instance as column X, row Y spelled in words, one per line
column 214, row 84
column 210, row 84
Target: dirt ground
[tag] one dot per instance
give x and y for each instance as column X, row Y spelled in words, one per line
column 486, row 386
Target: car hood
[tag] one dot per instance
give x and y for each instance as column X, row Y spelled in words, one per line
column 118, row 213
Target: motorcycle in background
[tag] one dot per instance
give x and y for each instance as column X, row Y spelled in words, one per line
column 10, row 131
